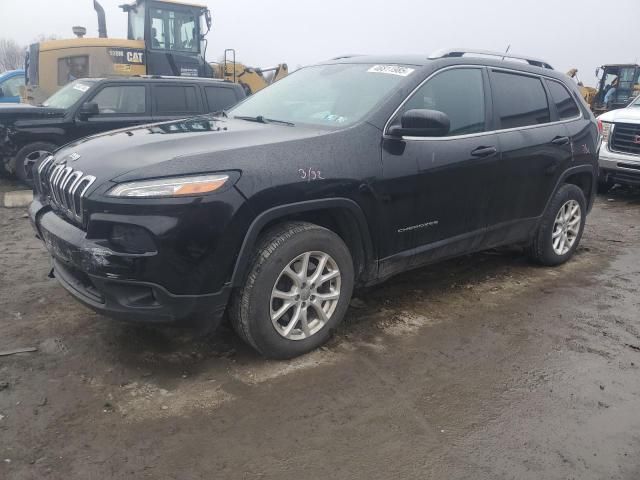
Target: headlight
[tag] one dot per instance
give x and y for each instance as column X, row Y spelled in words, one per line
column 606, row 130
column 170, row 187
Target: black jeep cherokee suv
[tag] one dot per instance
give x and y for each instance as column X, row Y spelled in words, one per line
column 94, row 105
column 340, row 175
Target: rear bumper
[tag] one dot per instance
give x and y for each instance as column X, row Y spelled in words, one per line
column 89, row 272
column 615, row 167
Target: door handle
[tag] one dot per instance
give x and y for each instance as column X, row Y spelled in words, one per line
column 484, row 151
column 560, row 141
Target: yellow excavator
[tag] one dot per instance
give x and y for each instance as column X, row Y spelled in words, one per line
column 165, row 37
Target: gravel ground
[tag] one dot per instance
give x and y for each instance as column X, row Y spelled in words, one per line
column 485, row 367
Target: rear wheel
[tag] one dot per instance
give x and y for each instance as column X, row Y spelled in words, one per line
column 561, row 228
column 28, row 156
column 297, row 291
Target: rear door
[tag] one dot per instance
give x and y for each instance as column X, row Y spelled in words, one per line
column 120, row 105
column 220, row 97
column 535, row 150
column 175, row 100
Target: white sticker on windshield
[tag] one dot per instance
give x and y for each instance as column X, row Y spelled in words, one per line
column 392, row 70
column 81, row 87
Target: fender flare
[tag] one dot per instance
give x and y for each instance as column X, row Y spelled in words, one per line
column 591, row 169
column 251, row 237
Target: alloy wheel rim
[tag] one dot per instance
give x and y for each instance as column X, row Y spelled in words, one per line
column 566, row 227
column 305, row 295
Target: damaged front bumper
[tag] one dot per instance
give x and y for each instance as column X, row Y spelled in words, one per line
column 100, row 277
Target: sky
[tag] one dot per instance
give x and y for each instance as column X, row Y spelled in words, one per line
column 300, row 32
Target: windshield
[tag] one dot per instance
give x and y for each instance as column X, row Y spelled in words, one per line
column 331, row 95
column 67, row 95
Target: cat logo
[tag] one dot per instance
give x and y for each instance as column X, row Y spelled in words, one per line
column 134, row 57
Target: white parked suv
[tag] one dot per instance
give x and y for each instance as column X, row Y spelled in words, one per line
column 620, row 151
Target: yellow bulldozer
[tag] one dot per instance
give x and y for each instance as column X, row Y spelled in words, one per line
column 165, row 37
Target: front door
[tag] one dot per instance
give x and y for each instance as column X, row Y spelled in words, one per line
column 435, row 190
column 119, row 106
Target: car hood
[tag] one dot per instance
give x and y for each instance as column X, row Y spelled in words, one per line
column 196, row 145
column 22, row 111
column 629, row 114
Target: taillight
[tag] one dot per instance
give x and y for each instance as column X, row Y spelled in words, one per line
column 600, row 126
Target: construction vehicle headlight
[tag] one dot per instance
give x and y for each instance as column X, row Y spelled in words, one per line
column 170, row 187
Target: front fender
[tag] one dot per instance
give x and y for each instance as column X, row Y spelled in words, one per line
column 283, row 211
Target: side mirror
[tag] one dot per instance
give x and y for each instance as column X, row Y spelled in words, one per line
column 422, row 123
column 88, row 109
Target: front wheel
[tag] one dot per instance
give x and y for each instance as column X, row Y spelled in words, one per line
column 30, row 155
column 297, row 291
column 561, row 227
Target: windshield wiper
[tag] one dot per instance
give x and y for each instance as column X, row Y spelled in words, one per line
column 262, row 119
column 221, row 112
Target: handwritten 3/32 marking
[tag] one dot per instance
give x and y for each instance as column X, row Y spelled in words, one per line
column 310, row 174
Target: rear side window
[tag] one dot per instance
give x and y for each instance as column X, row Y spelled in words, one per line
column 459, row 93
column 520, row 100
column 220, row 98
column 176, row 99
column 565, row 104
column 121, row 99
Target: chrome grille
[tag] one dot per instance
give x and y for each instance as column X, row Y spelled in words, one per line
column 63, row 187
column 625, row 137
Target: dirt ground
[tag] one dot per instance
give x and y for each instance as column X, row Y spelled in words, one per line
column 486, row 367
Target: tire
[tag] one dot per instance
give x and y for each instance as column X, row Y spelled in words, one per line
column 604, row 186
column 544, row 249
column 254, row 310
column 30, row 154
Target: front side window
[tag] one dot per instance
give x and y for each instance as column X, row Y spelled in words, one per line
column 72, row 68
column 520, row 100
column 220, row 98
column 459, row 93
column 176, row 99
column 565, row 104
column 121, row 99
column 335, row 95
column 174, row 30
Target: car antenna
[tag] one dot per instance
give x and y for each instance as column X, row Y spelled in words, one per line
column 506, row 51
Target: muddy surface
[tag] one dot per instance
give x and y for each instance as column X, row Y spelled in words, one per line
column 485, row 367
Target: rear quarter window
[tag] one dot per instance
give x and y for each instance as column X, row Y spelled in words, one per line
column 176, row 99
column 520, row 100
column 565, row 104
column 220, row 98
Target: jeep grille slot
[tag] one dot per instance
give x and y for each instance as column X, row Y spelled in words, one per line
column 63, row 187
column 625, row 138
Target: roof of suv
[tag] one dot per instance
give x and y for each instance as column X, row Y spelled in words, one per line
column 458, row 56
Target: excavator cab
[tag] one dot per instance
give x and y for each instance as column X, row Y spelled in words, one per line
column 174, row 35
column 617, row 86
